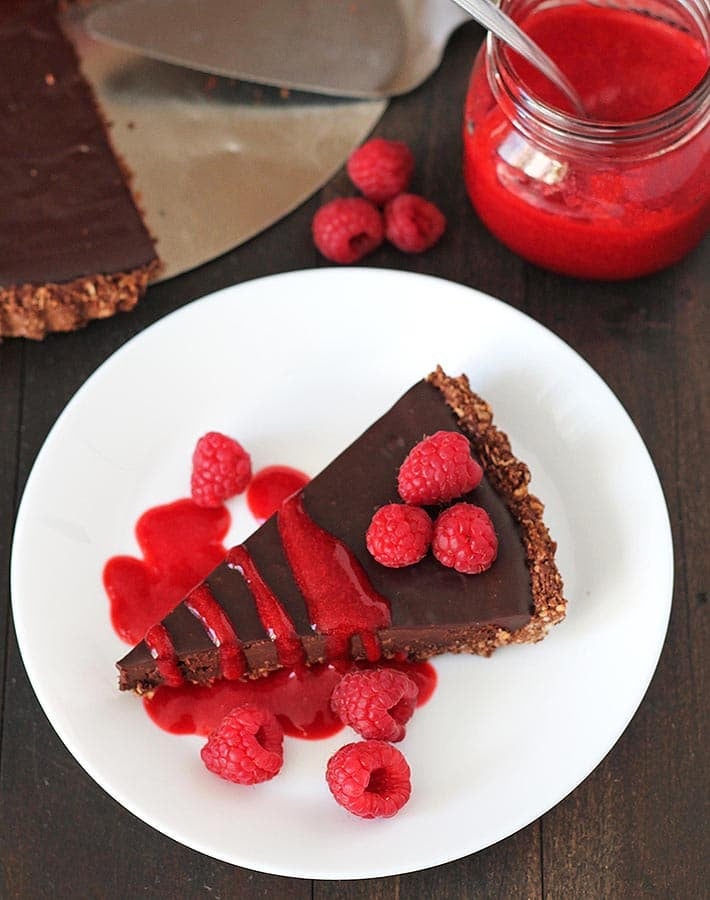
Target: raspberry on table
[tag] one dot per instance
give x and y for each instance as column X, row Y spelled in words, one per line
column 412, row 223
column 438, row 469
column 246, row 747
column 377, row 703
column 221, row 468
column 381, row 169
column 399, row 535
column 348, row 228
column 465, row 539
column 370, row 779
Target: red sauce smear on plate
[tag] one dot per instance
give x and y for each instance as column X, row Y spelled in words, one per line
column 181, row 544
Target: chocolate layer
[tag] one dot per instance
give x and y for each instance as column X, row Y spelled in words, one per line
column 433, row 609
column 70, row 233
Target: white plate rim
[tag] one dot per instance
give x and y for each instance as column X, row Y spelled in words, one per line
column 327, row 283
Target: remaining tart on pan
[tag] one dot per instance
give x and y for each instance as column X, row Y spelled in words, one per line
column 74, row 245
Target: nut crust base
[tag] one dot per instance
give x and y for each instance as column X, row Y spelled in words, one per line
column 510, row 477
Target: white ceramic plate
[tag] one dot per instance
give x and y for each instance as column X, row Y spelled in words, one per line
column 295, row 366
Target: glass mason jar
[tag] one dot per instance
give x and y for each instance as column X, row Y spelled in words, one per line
column 585, row 197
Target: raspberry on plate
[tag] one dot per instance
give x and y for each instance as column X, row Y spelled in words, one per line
column 465, row 539
column 370, row 779
column 438, row 469
column 347, row 229
column 412, row 223
column 221, row 468
column 399, row 535
column 246, row 747
column 377, row 703
column 381, row 169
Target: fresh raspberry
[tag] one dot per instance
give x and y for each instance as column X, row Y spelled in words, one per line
column 381, row 169
column 377, row 703
column 412, row 223
column 438, row 469
column 246, row 747
column 465, row 539
column 369, row 778
column 399, row 535
column 221, row 468
column 347, row 229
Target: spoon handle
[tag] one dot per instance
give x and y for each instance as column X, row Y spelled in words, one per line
column 503, row 27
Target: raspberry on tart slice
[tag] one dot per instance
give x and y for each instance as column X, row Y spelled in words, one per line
column 465, row 539
column 438, row 469
column 399, row 535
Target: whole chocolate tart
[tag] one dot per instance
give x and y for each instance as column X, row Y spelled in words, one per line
column 73, row 244
column 304, row 588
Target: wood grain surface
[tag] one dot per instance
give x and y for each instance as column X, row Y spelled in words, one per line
column 637, row 827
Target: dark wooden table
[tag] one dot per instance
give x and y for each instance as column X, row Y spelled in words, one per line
column 637, row 827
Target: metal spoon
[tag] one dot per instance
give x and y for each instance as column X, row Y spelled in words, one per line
column 503, row 27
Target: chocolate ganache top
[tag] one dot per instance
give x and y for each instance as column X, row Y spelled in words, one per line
column 426, row 599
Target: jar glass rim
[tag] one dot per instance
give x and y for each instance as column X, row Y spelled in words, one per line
column 506, row 86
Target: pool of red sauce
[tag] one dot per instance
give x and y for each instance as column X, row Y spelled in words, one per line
column 270, row 487
column 181, row 543
column 300, row 699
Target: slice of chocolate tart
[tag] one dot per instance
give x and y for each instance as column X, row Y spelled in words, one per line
column 73, row 245
column 303, row 588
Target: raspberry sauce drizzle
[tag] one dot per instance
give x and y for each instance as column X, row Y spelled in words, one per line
column 340, row 599
column 214, row 620
column 272, row 614
column 161, row 649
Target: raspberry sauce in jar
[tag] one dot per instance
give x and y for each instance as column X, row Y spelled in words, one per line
column 624, row 191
